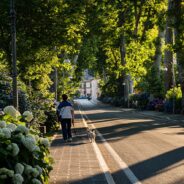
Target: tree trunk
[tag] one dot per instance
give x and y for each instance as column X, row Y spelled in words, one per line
column 158, row 53
column 122, row 80
column 168, row 55
column 179, row 29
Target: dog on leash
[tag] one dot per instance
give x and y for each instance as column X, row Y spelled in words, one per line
column 91, row 134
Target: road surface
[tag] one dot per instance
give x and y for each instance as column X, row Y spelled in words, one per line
column 140, row 149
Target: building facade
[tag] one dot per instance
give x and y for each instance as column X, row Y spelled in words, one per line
column 89, row 86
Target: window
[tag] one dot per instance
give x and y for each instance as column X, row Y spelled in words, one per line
column 88, row 84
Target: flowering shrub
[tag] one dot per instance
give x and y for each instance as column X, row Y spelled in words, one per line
column 28, row 116
column 10, row 110
column 24, row 157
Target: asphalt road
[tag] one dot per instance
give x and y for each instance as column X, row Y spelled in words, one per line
column 151, row 147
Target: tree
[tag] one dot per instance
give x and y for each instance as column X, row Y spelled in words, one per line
column 178, row 13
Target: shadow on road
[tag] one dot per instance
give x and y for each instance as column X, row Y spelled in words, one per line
column 121, row 131
column 138, row 123
column 118, row 128
column 158, row 164
column 143, row 170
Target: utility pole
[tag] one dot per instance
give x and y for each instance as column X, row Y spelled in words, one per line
column 56, row 83
column 174, row 85
column 13, row 53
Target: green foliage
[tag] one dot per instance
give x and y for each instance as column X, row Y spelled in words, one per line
column 174, row 93
column 51, row 122
column 155, row 85
column 5, row 89
column 113, row 39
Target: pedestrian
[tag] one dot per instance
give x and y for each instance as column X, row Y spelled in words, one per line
column 65, row 114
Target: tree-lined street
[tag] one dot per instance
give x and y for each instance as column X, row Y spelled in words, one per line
column 126, row 56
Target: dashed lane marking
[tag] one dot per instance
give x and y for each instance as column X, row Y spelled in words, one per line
column 100, row 158
column 124, row 167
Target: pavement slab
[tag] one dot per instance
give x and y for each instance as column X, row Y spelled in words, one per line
column 75, row 162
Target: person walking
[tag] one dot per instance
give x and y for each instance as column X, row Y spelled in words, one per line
column 65, row 114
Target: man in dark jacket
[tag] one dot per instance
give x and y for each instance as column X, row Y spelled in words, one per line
column 65, row 113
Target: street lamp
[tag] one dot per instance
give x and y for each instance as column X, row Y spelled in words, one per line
column 126, row 84
column 13, row 53
column 174, row 85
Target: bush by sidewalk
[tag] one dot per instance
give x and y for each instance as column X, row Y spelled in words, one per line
column 24, row 156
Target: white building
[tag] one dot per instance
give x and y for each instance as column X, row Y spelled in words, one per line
column 89, row 86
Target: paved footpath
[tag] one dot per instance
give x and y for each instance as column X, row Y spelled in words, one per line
column 75, row 162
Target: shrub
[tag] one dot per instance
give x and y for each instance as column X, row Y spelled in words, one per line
column 174, row 95
column 156, row 104
column 51, row 121
column 24, row 156
column 139, row 100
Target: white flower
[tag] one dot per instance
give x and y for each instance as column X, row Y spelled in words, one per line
column 1, row 113
column 28, row 170
column 19, row 135
column 19, row 168
column 45, row 142
column 36, row 181
column 36, row 148
column 22, row 129
column 11, row 126
column 1, row 133
column 39, row 169
column 35, row 172
column 6, row 132
column 17, row 179
column 37, row 138
column 2, row 124
column 29, row 142
column 10, row 110
column 13, row 148
column 28, row 116
column 7, row 172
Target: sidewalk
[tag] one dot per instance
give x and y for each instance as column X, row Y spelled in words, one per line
column 156, row 114
column 75, row 162
column 163, row 115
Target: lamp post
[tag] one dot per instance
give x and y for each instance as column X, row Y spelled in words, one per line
column 174, row 85
column 128, row 90
column 56, row 83
column 13, row 53
column 126, row 84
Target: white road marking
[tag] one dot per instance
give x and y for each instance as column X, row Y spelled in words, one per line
column 101, row 160
column 130, row 175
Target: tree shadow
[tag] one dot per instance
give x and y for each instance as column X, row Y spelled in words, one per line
column 137, row 123
column 155, row 165
column 128, row 129
column 143, row 170
column 79, row 136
